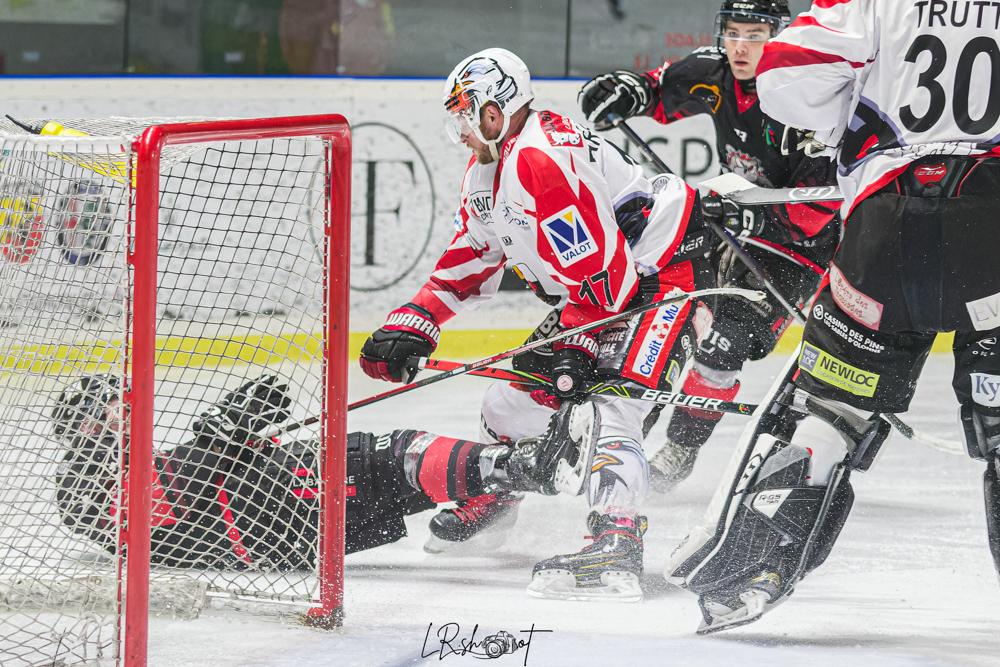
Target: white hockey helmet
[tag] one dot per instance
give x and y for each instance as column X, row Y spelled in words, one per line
column 491, row 75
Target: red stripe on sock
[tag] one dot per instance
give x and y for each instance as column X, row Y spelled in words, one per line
column 696, row 385
column 433, row 473
column 461, row 470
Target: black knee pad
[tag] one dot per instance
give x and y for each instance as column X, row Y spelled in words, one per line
column 739, row 334
column 378, row 496
column 981, row 431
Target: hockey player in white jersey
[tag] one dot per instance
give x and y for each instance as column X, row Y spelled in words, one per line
column 909, row 93
column 583, row 225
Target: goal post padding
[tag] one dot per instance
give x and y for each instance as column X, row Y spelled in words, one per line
column 181, row 260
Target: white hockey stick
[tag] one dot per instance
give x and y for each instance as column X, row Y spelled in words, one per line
column 741, row 191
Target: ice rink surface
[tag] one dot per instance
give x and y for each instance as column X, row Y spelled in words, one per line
column 910, row 581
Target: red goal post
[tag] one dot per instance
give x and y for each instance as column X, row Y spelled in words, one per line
column 334, row 130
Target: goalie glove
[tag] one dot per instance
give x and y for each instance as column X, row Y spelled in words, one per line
column 409, row 332
column 246, row 411
column 621, row 92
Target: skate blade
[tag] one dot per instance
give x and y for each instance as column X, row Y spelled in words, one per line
column 475, row 546
column 583, row 427
column 561, row 585
column 755, row 605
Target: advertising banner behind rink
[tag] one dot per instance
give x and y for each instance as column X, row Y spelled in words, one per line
column 406, row 173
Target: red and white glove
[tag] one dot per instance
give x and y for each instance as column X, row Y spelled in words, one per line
column 409, row 332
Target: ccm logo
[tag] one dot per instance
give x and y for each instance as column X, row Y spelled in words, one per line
column 817, row 193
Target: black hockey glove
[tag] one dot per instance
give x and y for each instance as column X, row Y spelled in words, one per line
column 244, row 412
column 621, row 92
column 740, row 221
column 410, row 331
column 539, row 360
column 573, row 362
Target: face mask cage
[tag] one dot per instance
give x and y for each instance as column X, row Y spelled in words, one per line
column 463, row 114
column 458, row 125
column 723, row 19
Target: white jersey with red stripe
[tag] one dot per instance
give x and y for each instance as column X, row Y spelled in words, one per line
column 888, row 83
column 579, row 217
column 468, row 271
column 570, row 212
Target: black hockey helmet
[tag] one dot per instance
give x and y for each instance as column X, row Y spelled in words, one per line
column 775, row 13
column 86, row 398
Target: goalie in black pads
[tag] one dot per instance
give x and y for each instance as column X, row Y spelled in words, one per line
column 228, row 499
column 919, row 166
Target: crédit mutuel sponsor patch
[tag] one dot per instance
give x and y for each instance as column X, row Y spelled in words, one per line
column 831, row 370
column 654, row 350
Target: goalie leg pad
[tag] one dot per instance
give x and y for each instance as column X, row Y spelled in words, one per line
column 774, row 487
column 773, row 524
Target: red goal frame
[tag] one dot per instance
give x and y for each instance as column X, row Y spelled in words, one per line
column 142, row 255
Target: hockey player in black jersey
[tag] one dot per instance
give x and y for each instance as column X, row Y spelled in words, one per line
column 914, row 114
column 227, row 498
column 720, row 82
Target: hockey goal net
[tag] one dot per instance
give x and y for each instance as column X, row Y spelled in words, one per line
column 148, row 270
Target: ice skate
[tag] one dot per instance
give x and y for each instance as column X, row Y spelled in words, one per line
column 478, row 524
column 670, row 466
column 607, row 569
column 761, row 594
column 559, row 461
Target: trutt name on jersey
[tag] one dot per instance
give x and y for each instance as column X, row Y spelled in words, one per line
column 958, row 13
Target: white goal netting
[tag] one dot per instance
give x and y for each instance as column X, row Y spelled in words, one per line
column 240, row 296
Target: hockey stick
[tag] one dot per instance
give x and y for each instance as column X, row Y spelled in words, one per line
column 741, row 191
column 635, row 392
column 622, row 389
column 750, row 295
column 755, row 268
